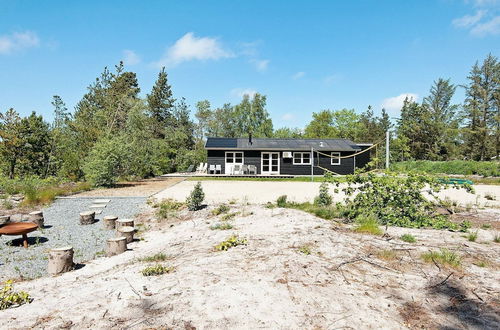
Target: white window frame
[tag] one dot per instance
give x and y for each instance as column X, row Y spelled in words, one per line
column 302, row 158
column 234, row 157
column 335, row 161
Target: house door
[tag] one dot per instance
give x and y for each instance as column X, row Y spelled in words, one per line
column 270, row 163
column 232, row 158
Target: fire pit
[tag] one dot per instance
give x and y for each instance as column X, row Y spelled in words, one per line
column 19, row 228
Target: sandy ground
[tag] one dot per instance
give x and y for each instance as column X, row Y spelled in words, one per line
column 261, row 192
column 345, row 282
column 143, row 188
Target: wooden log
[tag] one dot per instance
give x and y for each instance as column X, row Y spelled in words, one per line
column 116, row 246
column 127, row 232
column 4, row 219
column 109, row 221
column 124, row 222
column 87, row 218
column 60, row 260
column 36, row 217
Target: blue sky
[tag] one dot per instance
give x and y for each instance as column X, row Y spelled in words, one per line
column 304, row 55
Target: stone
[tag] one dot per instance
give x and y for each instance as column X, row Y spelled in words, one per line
column 97, row 206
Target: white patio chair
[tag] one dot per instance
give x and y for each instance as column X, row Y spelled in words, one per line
column 218, row 168
column 237, row 169
column 199, row 168
column 205, row 167
column 211, row 169
column 252, row 169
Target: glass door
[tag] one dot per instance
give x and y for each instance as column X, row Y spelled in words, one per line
column 270, row 163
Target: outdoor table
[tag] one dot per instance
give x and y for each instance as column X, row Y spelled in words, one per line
column 19, row 228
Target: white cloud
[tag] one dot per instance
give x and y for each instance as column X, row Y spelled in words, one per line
column 130, row 57
column 490, row 27
column 260, row 65
column 239, row 92
column 288, row 117
column 17, row 41
column 468, row 20
column 331, row 79
column 298, row 75
column 189, row 48
column 394, row 104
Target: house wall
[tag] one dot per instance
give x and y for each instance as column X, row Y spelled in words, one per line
column 253, row 157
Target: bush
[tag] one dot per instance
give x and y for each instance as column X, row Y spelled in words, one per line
column 103, row 166
column 408, row 238
column 281, row 201
column 10, row 298
column 444, row 257
column 156, row 270
column 324, row 198
column 367, row 224
column 464, row 167
column 230, row 242
column 223, row 208
column 168, row 208
column 196, row 197
column 222, row 226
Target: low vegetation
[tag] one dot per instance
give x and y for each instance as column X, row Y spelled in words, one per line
column 282, row 201
column 155, row 258
column 156, row 270
column 223, row 208
column 443, row 257
column 168, row 208
column 472, row 237
column 195, row 199
column 305, row 249
column 230, row 242
column 387, row 254
column 324, row 198
column 408, row 238
column 464, row 167
column 10, row 298
column 229, row 216
column 367, row 224
column 496, row 239
column 221, row 226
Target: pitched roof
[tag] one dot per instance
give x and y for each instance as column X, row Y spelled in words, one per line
column 281, row 144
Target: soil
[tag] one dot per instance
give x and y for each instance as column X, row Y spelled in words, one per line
column 142, row 188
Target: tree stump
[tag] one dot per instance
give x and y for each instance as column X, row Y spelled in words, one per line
column 127, row 232
column 60, row 260
column 4, row 219
column 36, row 217
column 116, row 246
column 87, row 218
column 124, row 222
column 109, row 221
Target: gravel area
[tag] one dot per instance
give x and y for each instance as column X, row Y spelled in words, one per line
column 62, row 228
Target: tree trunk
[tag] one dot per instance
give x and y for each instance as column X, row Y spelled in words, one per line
column 124, row 222
column 87, row 218
column 37, row 217
column 127, row 232
column 60, row 260
column 109, row 221
column 116, row 246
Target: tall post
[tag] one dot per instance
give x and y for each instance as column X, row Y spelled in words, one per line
column 312, row 164
column 387, row 138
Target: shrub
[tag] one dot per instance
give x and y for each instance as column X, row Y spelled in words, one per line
column 230, row 242
column 472, row 237
column 167, row 208
column 10, row 298
column 281, row 201
column 222, row 226
column 196, row 197
column 408, row 238
column 464, row 167
column 155, row 258
column 444, row 257
column 367, row 224
column 229, row 216
column 305, row 249
column 156, row 270
column 223, row 208
column 103, row 166
column 324, row 198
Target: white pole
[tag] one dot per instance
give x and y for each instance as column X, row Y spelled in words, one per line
column 387, row 137
column 312, row 164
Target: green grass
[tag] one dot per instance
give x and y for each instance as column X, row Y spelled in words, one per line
column 324, row 212
column 155, row 258
column 367, row 224
column 229, row 216
column 496, row 239
column 464, row 167
column 230, row 242
column 257, row 178
column 472, row 237
column 443, row 257
column 168, row 208
column 156, row 270
column 222, row 226
column 223, row 208
column 408, row 238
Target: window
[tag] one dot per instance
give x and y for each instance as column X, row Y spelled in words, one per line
column 301, row 158
column 335, row 161
column 234, row 157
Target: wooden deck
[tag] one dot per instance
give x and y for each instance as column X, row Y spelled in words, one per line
column 205, row 175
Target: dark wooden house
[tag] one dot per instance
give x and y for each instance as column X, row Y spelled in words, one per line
column 286, row 156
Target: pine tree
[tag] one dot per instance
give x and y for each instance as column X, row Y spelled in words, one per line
column 11, row 142
column 161, row 103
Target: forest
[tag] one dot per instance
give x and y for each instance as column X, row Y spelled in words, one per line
column 115, row 134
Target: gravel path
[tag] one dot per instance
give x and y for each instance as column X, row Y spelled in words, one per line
column 62, row 228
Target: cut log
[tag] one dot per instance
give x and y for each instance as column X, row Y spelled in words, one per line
column 109, row 221
column 127, row 232
column 4, row 219
column 60, row 260
column 124, row 222
column 116, row 246
column 87, row 218
column 36, row 217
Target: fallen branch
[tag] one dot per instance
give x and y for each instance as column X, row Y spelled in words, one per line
column 442, row 282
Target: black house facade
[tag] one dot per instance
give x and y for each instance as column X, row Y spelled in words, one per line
column 286, row 156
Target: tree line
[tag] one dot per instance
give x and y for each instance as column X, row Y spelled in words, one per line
column 114, row 133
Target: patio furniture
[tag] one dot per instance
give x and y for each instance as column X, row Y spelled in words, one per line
column 190, row 169
column 218, row 168
column 199, row 168
column 205, row 167
column 236, row 169
column 244, row 169
column 19, row 228
column 211, row 169
column 252, row 169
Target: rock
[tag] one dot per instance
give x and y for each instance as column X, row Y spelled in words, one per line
column 17, row 198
